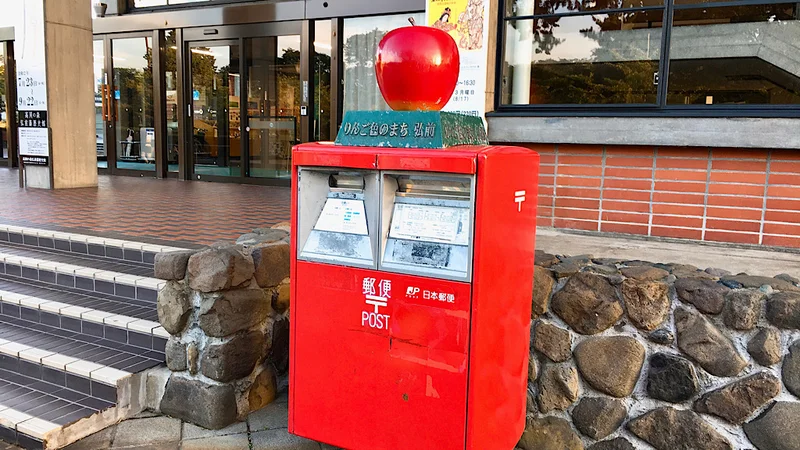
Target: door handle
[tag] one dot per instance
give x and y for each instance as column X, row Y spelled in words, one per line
column 104, row 95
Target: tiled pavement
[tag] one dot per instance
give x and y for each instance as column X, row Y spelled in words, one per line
column 265, row 429
column 179, row 212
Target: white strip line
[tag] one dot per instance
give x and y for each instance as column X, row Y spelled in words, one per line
column 25, row 423
column 84, row 238
column 97, row 274
column 98, row 372
column 87, row 314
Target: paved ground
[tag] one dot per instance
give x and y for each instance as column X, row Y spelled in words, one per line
column 729, row 257
column 263, row 430
column 147, row 209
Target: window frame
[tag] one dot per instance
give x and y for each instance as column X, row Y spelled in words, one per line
column 661, row 108
column 169, row 7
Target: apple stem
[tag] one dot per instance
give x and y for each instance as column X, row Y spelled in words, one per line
column 412, row 21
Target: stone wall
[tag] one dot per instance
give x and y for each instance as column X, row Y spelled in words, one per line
column 631, row 354
column 226, row 308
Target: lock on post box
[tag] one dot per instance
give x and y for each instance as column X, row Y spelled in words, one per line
column 412, row 274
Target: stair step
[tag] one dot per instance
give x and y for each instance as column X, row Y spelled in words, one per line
column 30, row 408
column 82, row 244
column 87, row 278
column 134, row 324
column 139, row 309
column 81, row 362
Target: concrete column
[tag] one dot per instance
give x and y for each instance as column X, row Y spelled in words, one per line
column 521, row 41
column 54, row 41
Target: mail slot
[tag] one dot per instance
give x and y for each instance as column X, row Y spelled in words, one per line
column 411, row 280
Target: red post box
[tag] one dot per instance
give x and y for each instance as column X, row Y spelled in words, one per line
column 411, row 295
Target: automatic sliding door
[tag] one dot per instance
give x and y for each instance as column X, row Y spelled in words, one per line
column 215, row 100
column 132, row 60
column 273, row 108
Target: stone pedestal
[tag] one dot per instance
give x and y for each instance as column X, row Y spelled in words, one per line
column 226, row 308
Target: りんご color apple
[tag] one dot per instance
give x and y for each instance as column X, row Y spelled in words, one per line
column 417, row 68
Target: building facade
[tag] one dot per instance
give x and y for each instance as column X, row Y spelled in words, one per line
column 663, row 118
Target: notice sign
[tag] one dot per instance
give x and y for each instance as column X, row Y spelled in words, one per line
column 34, row 142
column 467, row 21
column 430, row 223
column 343, row 216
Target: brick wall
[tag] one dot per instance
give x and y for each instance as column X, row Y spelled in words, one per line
column 727, row 195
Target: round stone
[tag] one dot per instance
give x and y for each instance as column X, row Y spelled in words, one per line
column 777, row 428
column 671, row 378
column 549, row 433
column 598, row 417
column 791, row 369
column 611, row 364
column 765, row 347
column 668, row 428
column 646, row 302
column 587, row 303
column 553, row 342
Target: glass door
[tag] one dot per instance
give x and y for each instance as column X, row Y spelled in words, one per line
column 273, row 107
column 216, row 142
column 135, row 133
column 244, row 103
column 125, row 129
column 102, row 101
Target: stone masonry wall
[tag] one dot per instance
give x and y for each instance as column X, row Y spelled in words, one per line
column 226, row 308
column 631, row 354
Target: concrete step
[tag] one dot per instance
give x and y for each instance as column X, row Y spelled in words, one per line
column 126, row 321
column 30, row 408
column 84, row 273
column 82, row 244
column 62, row 367
column 78, row 333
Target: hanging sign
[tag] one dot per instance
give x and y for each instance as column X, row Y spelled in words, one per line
column 467, row 21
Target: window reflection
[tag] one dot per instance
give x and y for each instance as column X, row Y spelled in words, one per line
column 591, row 59
column 171, row 90
column 133, row 93
column 361, row 38
column 735, row 55
column 322, row 80
column 273, row 108
column 519, row 8
column 3, row 107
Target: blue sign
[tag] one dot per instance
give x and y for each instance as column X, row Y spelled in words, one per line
column 116, row 94
column 195, row 95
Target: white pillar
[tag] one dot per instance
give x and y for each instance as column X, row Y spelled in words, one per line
column 521, row 40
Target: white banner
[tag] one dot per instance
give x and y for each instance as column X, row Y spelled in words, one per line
column 467, row 21
column 32, row 83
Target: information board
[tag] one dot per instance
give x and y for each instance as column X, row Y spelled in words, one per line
column 430, row 224
column 343, row 216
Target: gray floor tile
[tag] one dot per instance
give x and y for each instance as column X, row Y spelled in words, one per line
column 270, row 417
column 229, row 442
column 191, row 431
column 281, row 440
column 153, row 430
column 101, row 439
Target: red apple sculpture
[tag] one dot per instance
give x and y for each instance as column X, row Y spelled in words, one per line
column 417, row 68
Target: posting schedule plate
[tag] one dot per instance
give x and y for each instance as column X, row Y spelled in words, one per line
column 343, row 216
column 429, row 223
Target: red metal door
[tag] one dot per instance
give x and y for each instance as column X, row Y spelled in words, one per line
column 380, row 359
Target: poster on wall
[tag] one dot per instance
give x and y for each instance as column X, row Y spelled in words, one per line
column 467, row 21
column 34, row 139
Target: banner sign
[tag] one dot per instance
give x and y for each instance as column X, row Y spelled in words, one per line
column 467, row 21
column 34, row 137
